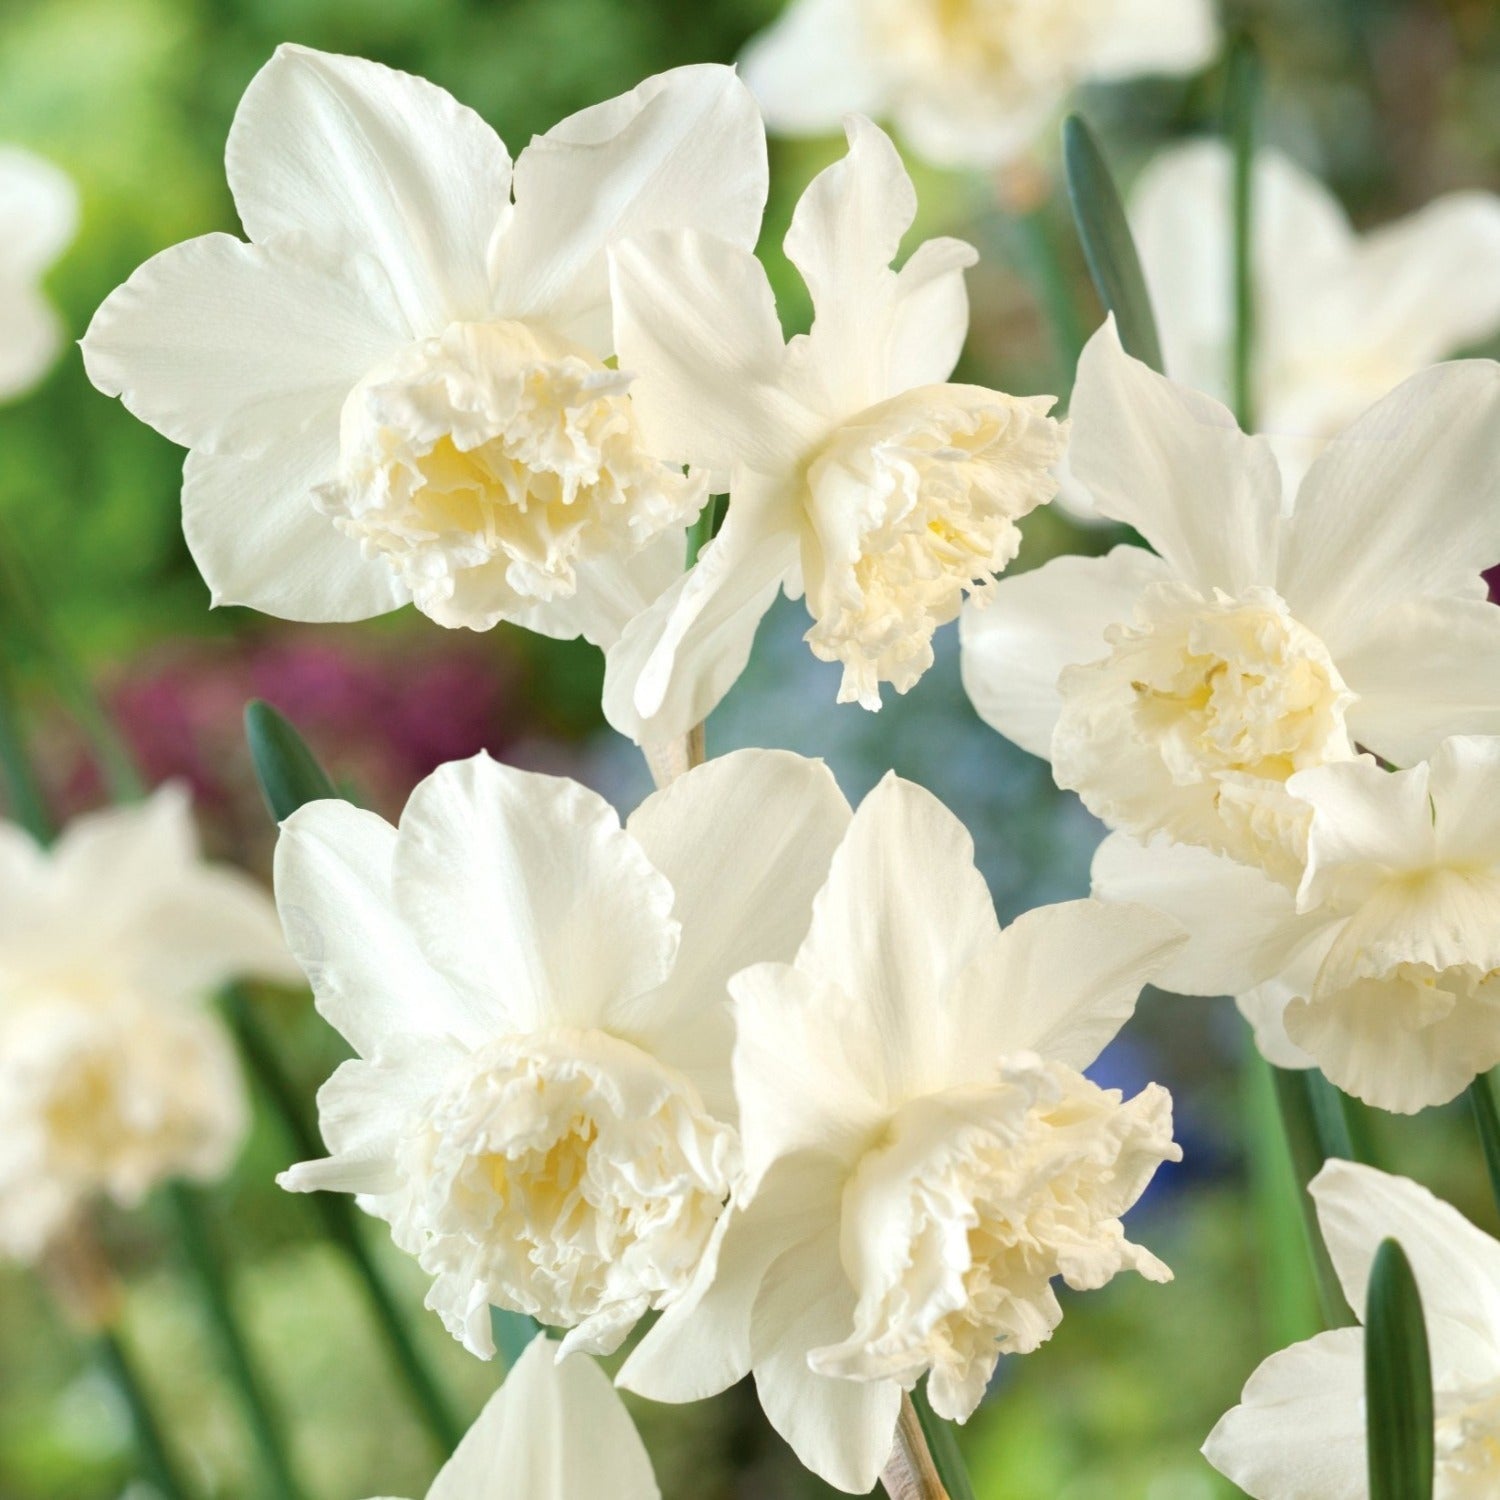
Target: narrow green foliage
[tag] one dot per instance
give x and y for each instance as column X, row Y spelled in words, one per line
column 288, row 772
column 706, row 527
column 1398, row 1382
column 1487, row 1120
column 264, row 1419
column 1314, row 1133
column 1240, row 110
column 943, row 1446
column 23, row 792
column 1108, row 245
column 157, row 1464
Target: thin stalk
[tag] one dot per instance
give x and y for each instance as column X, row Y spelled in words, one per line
column 1487, row 1122
column 910, row 1473
column 218, row 1304
column 157, row 1463
column 1313, row 1136
column 943, row 1445
column 339, row 1221
column 28, row 805
column 1289, row 1292
column 1244, row 82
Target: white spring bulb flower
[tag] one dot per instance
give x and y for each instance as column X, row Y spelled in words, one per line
column 398, row 390
column 541, row 1107
column 1299, row 1432
column 967, row 82
column 1340, row 318
column 555, row 1430
column 1383, row 967
column 923, row 1153
column 38, row 218
column 115, row 1073
column 1274, row 628
column 856, row 472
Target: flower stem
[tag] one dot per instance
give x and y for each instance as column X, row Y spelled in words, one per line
column 1316, row 1130
column 234, row 1348
column 1487, row 1121
column 910, row 1473
column 156, row 1461
column 339, row 1222
column 1243, row 87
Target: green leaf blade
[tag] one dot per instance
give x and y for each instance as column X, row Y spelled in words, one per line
column 1398, row 1382
column 1108, row 245
column 288, row 772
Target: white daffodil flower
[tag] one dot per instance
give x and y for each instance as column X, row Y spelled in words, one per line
column 555, row 1430
column 114, row 1072
column 968, row 82
column 1340, row 318
column 922, row 1151
column 398, row 390
column 542, row 1107
column 854, row 472
column 38, row 217
column 1299, row 1432
column 1272, row 629
column 1383, row 969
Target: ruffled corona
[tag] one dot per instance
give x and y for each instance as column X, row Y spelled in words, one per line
column 911, row 506
column 1225, row 699
column 100, row 1094
column 955, row 1226
column 567, row 1175
column 484, row 465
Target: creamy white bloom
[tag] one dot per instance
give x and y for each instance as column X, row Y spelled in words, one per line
column 555, row 1430
column 541, row 1107
column 1383, row 968
column 968, row 82
column 38, row 218
column 1273, row 629
column 1340, row 318
column 114, row 1072
column 398, row 390
column 923, row 1153
column 854, row 471
column 1299, row 1432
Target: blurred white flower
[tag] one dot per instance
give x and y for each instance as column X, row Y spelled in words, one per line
column 542, row 1106
column 553, row 1431
column 114, row 1072
column 398, row 390
column 968, row 82
column 1273, row 629
column 38, row 217
column 853, row 471
column 1340, row 318
column 922, row 1152
column 1299, row 1432
column 1383, row 969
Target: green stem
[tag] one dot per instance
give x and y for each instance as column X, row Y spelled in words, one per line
column 338, row 1216
column 234, row 1348
column 1244, row 80
column 156, row 1460
column 1289, row 1298
column 1315, row 1131
column 943, row 1446
column 1042, row 256
column 1487, row 1121
column 28, row 805
column 706, row 527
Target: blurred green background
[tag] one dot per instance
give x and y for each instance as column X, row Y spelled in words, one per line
column 1391, row 100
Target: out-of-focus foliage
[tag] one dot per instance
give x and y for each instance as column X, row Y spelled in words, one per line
column 1392, row 101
